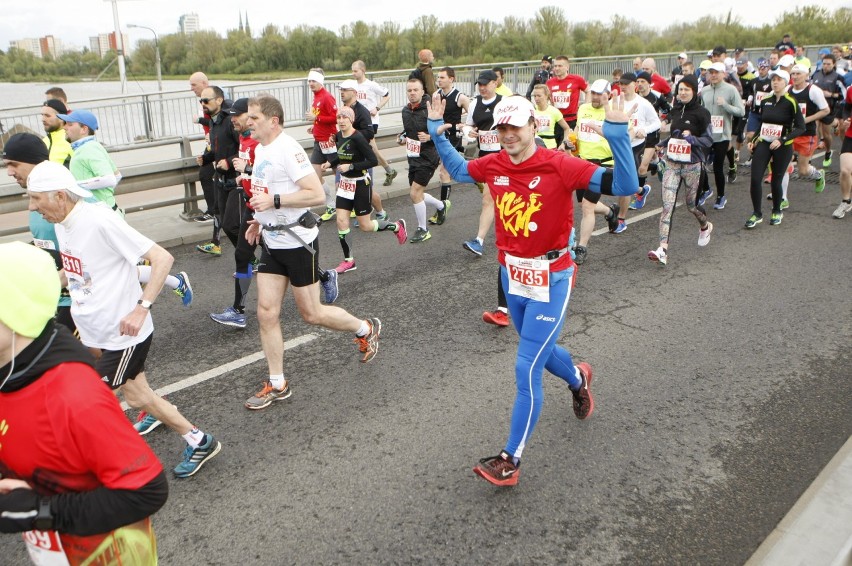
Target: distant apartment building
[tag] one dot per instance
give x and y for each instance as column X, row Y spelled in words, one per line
column 50, row 44
column 104, row 42
column 189, row 23
column 30, row 44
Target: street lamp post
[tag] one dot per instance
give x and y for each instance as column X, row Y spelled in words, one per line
column 158, row 64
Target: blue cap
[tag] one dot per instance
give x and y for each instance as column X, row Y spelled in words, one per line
column 84, row 117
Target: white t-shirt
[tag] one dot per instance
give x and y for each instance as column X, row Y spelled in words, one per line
column 644, row 118
column 277, row 168
column 99, row 254
column 370, row 93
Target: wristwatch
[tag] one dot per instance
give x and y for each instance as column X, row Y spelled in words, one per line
column 145, row 304
column 44, row 520
column 276, row 200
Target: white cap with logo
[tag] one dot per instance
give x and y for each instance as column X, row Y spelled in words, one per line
column 514, row 110
column 600, row 86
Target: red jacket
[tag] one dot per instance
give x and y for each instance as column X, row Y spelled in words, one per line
column 324, row 109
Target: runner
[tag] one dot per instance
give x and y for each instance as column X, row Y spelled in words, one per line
column 422, row 159
column 566, row 90
column 781, row 122
column 78, row 482
column 845, row 205
column 814, row 107
column 541, row 76
column 685, row 151
column 112, row 313
column 353, row 159
column 374, row 97
column 58, row 146
column 323, row 117
column 831, row 83
column 284, row 185
column 532, row 189
column 547, row 117
column 456, row 105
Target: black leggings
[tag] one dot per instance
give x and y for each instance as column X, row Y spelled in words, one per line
column 760, row 159
column 718, row 150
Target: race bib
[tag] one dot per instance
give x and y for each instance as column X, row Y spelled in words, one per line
column 717, row 123
column 259, row 186
column 488, row 141
column 542, row 123
column 677, row 78
column 679, row 150
column 561, row 99
column 44, row 244
column 804, row 108
column 44, row 548
column 244, row 155
column 328, row 148
column 587, row 133
column 771, row 132
column 759, row 96
column 634, row 123
column 529, row 278
column 346, row 188
column 412, row 147
column 72, row 265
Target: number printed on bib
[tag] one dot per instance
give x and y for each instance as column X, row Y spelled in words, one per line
column 759, row 96
column 346, row 188
column 328, row 148
column 44, row 548
column 529, row 278
column 488, row 141
column 561, row 99
column 542, row 124
column 717, row 123
column 771, row 132
column 804, row 107
column 679, row 150
column 259, row 186
column 587, row 133
column 412, row 147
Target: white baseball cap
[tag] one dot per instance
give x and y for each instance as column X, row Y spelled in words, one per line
column 49, row 176
column 786, row 61
column 600, row 86
column 717, row 66
column 780, row 73
column 514, row 110
column 682, row 56
column 348, row 84
column 799, row 69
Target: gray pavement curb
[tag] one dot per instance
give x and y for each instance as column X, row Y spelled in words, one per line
column 818, row 528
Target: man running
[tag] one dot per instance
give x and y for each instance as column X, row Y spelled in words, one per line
column 374, row 96
column 532, row 188
column 323, row 117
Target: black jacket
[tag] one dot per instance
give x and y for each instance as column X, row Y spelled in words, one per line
column 224, row 144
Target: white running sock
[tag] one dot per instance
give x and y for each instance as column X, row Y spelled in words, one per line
column 277, row 381
column 420, row 212
column 785, row 182
column 364, row 330
column 194, row 437
column 430, row 200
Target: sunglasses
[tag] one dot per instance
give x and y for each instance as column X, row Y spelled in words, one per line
column 205, row 100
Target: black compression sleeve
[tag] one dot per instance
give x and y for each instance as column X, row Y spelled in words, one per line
column 103, row 510
column 606, row 181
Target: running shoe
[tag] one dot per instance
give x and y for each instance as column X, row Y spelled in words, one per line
column 184, row 288
column 146, row 423
column 580, row 253
column 767, row 179
column 389, row 177
column 826, row 162
column 769, row 196
column 434, row 218
column 584, row 403
column 209, row 248
column 498, row 470
column 753, row 221
column 842, row 209
column 369, row 344
column 346, row 265
column 704, row 196
column 732, row 174
column 329, row 287
column 659, row 255
column 819, row 185
column 205, row 217
column 473, row 246
column 785, row 204
column 775, row 218
column 330, row 212
column 420, row 235
column 704, row 235
column 194, row 458
column 612, row 219
column 747, row 163
column 721, row 202
column 401, row 232
column 352, row 214
column 497, row 318
column 622, row 226
column 639, row 199
column 268, row 395
column 441, row 215
column 230, row 317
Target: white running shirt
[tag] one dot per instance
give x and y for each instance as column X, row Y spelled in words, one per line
column 370, row 93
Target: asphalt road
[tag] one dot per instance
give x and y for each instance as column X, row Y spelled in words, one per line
column 721, row 381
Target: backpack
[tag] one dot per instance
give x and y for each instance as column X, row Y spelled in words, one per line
column 417, row 74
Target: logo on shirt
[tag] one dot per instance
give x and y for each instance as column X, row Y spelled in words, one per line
column 501, row 181
column 300, row 157
column 534, row 183
column 516, row 213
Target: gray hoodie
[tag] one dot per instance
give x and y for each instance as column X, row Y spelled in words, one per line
column 732, row 107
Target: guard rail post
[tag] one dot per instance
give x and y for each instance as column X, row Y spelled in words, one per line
column 190, row 206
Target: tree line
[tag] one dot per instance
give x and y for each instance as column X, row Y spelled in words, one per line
column 389, row 46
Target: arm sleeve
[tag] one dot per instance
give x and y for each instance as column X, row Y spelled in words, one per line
column 454, row 163
column 102, row 182
column 103, row 509
column 362, row 147
column 621, row 180
column 818, row 98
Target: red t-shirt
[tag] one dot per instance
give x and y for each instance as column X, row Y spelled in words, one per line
column 324, row 109
column 66, row 432
column 533, row 201
column 247, row 145
column 660, row 84
column 565, row 94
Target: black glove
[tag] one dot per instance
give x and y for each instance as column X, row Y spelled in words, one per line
column 18, row 509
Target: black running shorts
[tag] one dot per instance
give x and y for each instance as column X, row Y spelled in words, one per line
column 297, row 264
column 116, row 367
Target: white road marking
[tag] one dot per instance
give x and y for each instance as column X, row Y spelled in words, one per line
column 631, row 220
column 225, row 368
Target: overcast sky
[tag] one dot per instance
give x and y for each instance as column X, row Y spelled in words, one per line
column 74, row 21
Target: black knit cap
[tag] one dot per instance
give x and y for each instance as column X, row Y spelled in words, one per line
column 57, row 105
column 26, row 148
